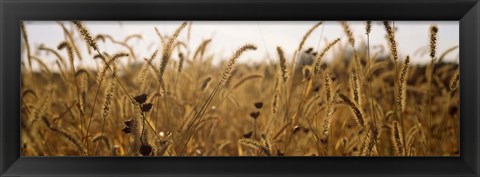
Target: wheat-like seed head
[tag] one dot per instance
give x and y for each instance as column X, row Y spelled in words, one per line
column 86, row 34
column 68, row 47
column 402, row 87
column 151, row 66
column 132, row 36
column 446, row 52
column 454, row 80
column 117, row 56
column 99, row 37
column 84, row 88
column 246, row 78
column 228, row 70
column 328, row 86
column 275, row 102
column 108, row 99
column 60, row 58
column 327, row 122
column 355, row 91
column 71, row 40
column 283, row 64
column 167, row 49
column 266, row 143
column 201, row 48
column 368, row 27
column 319, row 57
column 397, row 138
column 70, row 139
column 255, row 144
column 433, row 41
column 276, row 95
column 355, row 109
column 162, row 40
column 27, row 43
column 367, row 143
column 391, row 41
column 371, row 143
column 143, row 73
column 305, row 37
column 101, row 75
column 108, row 61
column 349, row 33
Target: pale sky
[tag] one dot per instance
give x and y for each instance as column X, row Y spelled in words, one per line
column 227, row 36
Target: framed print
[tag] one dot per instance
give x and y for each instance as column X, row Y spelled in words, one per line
column 247, row 88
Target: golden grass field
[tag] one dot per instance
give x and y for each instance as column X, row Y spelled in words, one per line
column 359, row 104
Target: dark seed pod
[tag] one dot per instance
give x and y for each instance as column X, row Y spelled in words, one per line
column 128, row 122
column 248, row 135
column 258, row 105
column 307, row 73
column 334, row 78
column 146, row 107
column 324, row 141
column 309, row 50
column 254, row 115
column 434, row 29
column 453, row 110
column 295, row 129
column 280, row 153
column 127, row 130
column 141, row 98
column 306, row 130
column 145, row 150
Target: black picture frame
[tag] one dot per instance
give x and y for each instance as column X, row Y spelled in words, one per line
column 14, row 11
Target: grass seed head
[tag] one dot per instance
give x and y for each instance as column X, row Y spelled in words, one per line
column 141, row 98
column 433, row 41
column 368, row 27
column 258, row 105
column 86, row 34
column 255, row 114
column 349, row 33
column 283, row 63
column 228, row 70
column 454, row 80
column 391, row 41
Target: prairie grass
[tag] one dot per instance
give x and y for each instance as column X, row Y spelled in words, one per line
column 175, row 101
